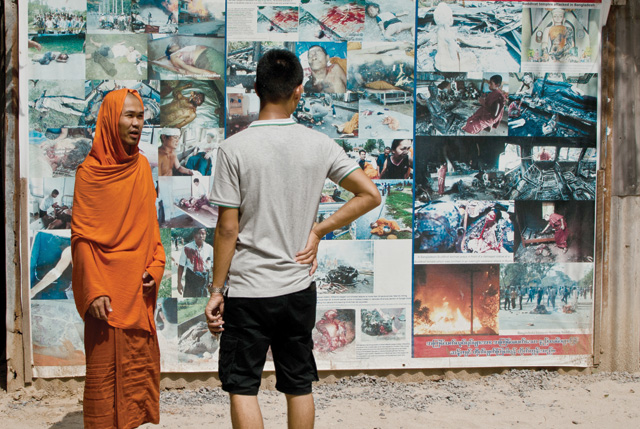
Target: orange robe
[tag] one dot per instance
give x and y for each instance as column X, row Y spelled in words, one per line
column 381, row 223
column 114, row 240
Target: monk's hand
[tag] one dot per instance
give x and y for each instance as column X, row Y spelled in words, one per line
column 213, row 312
column 310, row 251
column 100, row 308
column 148, row 283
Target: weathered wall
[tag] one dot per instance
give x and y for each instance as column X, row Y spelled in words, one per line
column 618, row 316
column 14, row 320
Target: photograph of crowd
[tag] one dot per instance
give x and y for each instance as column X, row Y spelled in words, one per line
column 548, row 297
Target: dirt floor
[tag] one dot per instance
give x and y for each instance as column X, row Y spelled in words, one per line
column 521, row 398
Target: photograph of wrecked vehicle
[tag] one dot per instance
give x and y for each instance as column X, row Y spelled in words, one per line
column 504, row 169
column 553, row 105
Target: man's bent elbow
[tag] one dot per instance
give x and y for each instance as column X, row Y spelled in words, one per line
column 227, row 231
column 371, row 201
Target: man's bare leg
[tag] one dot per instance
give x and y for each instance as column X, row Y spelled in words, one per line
column 245, row 412
column 301, row 411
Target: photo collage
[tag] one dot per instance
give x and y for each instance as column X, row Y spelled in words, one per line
column 478, row 122
column 505, row 170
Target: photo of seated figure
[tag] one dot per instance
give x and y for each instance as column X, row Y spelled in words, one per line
column 50, row 203
column 561, row 35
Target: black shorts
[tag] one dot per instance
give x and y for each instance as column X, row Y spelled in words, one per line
column 252, row 325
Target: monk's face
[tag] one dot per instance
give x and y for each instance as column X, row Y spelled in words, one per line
column 131, row 121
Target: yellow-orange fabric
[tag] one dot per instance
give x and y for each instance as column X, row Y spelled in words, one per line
column 381, row 223
column 114, row 239
column 114, row 230
column 123, row 376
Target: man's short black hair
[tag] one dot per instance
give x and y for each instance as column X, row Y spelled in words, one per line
column 279, row 73
column 55, row 191
column 362, row 150
column 497, row 79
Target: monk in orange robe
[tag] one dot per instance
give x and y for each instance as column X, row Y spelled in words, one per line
column 118, row 262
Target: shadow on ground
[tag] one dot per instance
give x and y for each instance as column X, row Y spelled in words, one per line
column 72, row 420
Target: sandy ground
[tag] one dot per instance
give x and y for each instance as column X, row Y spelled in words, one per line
column 521, row 398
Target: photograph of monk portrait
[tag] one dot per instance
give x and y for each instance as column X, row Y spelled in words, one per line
column 560, row 35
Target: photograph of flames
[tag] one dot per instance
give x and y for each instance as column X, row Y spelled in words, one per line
column 456, row 299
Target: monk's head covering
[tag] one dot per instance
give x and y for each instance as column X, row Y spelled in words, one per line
column 114, row 228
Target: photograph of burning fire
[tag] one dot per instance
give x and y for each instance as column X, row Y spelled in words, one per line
column 201, row 17
column 456, row 299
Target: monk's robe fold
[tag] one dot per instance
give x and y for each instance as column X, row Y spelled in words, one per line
column 114, row 230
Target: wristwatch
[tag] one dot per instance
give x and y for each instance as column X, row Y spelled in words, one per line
column 213, row 290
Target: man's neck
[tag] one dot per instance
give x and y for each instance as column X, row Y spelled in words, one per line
column 166, row 149
column 270, row 111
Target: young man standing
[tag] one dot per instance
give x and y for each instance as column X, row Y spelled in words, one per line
column 266, row 244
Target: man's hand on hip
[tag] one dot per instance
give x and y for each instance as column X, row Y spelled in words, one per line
column 100, row 308
column 309, row 253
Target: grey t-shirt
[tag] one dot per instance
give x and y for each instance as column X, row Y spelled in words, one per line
column 274, row 172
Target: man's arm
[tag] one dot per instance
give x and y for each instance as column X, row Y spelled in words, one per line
column 366, row 197
column 180, row 168
column 224, row 247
